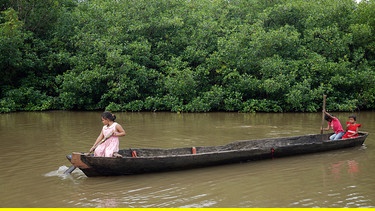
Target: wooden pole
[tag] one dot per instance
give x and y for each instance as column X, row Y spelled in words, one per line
column 324, row 108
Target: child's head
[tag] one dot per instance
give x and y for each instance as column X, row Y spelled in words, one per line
column 327, row 118
column 352, row 118
column 108, row 116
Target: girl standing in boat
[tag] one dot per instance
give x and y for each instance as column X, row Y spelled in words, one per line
column 335, row 124
column 351, row 128
column 112, row 131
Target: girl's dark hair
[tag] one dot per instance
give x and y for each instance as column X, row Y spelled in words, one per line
column 354, row 117
column 108, row 115
column 327, row 118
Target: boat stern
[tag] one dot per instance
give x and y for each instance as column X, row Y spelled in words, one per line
column 76, row 159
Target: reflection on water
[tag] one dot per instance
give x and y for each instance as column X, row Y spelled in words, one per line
column 350, row 166
column 342, row 178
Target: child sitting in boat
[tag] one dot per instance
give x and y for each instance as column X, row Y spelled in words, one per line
column 110, row 133
column 351, row 127
column 334, row 123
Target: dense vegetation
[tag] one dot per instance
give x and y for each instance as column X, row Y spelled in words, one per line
column 187, row 55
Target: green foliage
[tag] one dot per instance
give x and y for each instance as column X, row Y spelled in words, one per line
column 164, row 103
column 26, row 99
column 211, row 100
column 233, row 102
column 136, row 105
column 187, row 56
column 181, row 84
column 264, row 105
column 12, row 39
column 302, row 97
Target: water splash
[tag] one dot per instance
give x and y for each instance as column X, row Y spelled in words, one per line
column 58, row 173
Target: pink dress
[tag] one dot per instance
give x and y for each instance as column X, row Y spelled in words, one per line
column 111, row 145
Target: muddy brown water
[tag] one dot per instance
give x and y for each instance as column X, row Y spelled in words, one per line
column 34, row 146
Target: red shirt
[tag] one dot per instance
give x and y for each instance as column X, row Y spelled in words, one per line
column 336, row 125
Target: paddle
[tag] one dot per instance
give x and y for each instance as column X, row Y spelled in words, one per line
column 72, row 168
column 324, row 108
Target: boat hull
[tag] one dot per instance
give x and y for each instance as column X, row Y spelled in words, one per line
column 158, row 160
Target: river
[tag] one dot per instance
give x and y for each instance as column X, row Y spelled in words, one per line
column 34, row 145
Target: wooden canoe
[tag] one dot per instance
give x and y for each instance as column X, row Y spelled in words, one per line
column 149, row 160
